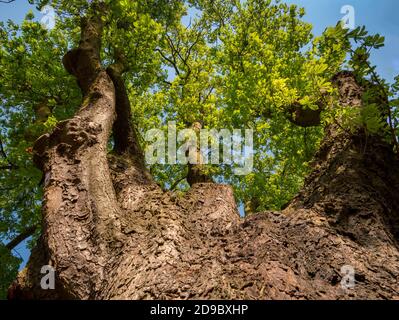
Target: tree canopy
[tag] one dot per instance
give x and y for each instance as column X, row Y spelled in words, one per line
column 227, row 64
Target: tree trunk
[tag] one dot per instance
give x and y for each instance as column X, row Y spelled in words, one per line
column 110, row 232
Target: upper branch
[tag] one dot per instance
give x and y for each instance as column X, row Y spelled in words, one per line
column 21, row 237
column 84, row 62
column 124, row 131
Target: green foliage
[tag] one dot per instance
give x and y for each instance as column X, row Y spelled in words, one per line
column 242, row 66
column 9, row 268
column 35, row 93
column 379, row 114
column 371, row 119
column 234, row 65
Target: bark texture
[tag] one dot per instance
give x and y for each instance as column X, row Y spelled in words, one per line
column 110, row 232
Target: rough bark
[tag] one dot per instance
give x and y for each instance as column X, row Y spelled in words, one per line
column 111, row 233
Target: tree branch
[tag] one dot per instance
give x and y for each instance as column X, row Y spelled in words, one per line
column 124, row 131
column 172, row 62
column 9, row 167
column 21, row 237
column 4, row 155
column 176, row 183
column 84, row 62
column 385, row 95
column 196, row 173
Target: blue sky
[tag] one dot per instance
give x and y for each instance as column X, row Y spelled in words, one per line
column 378, row 16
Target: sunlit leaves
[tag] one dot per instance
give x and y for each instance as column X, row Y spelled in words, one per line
column 235, row 65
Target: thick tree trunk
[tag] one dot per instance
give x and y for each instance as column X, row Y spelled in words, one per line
column 111, row 233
